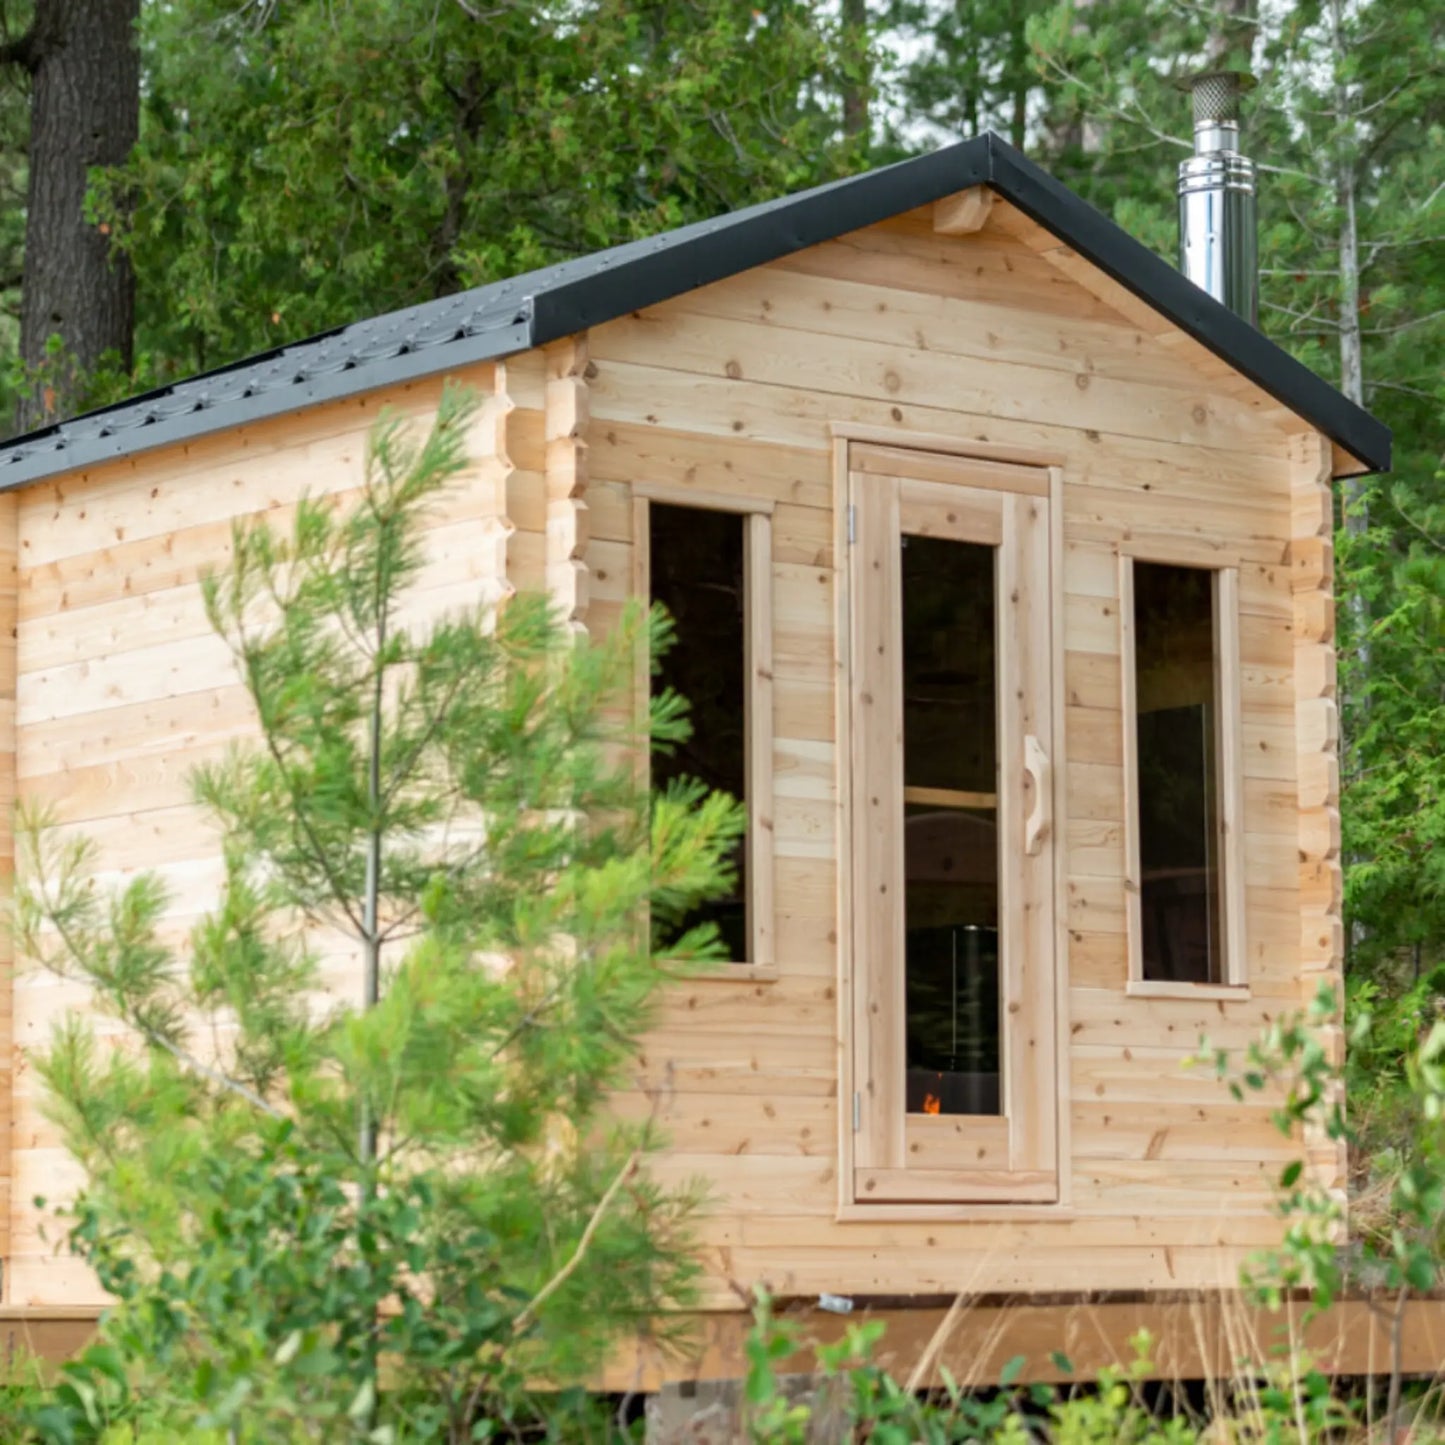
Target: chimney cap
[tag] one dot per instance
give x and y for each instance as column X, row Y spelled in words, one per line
column 1216, row 93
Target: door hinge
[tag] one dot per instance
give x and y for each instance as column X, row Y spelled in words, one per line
column 857, row 1112
column 852, row 524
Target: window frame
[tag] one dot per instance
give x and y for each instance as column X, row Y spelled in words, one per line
column 1233, row 982
column 757, row 517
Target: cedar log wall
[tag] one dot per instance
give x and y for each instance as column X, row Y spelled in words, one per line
column 1002, row 338
column 123, row 688
column 1005, row 339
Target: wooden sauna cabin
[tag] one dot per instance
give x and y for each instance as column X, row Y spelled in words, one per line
column 1001, row 560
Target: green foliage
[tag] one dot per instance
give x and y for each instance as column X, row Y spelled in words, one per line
column 1397, row 1240
column 274, row 1254
column 1382, row 1106
column 1292, row 1063
column 1393, row 669
column 970, row 67
column 373, row 1213
column 306, row 164
column 1394, row 1080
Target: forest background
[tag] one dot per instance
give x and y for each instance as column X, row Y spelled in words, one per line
column 187, row 182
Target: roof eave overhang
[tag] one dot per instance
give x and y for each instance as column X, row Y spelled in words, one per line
column 268, row 405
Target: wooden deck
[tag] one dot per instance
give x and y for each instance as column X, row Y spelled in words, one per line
column 1196, row 1337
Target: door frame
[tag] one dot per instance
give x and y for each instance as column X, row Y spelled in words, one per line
column 843, row 436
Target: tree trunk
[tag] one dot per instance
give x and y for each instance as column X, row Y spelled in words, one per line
column 855, row 58
column 84, row 112
column 1355, row 506
column 1352, row 349
column 1020, row 78
column 1352, row 369
column 1352, row 356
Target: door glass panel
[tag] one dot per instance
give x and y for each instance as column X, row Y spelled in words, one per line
column 949, row 727
column 951, row 889
column 1175, row 689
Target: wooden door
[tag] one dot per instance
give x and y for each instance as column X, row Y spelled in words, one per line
column 952, row 848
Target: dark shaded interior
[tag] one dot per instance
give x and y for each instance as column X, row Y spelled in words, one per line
column 949, row 705
column 697, row 562
column 1177, row 706
column 950, row 836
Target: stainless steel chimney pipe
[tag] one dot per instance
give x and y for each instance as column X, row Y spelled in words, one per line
column 1218, row 241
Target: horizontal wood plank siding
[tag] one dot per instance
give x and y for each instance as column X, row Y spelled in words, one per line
column 737, row 388
column 118, row 690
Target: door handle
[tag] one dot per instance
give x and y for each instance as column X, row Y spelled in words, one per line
column 1038, row 768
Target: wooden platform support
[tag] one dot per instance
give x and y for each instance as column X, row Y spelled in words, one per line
column 1195, row 1337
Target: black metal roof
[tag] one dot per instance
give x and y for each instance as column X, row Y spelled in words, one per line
column 541, row 306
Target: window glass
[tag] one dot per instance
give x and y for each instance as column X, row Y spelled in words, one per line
column 1176, row 730
column 950, row 745
column 697, row 568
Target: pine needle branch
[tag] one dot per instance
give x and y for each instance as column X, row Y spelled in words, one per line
column 530, row 1311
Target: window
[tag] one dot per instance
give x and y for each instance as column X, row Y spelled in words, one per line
column 1182, row 774
column 711, row 568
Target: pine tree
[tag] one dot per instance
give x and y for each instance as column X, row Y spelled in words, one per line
column 362, row 1133
column 304, row 165
column 968, row 68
